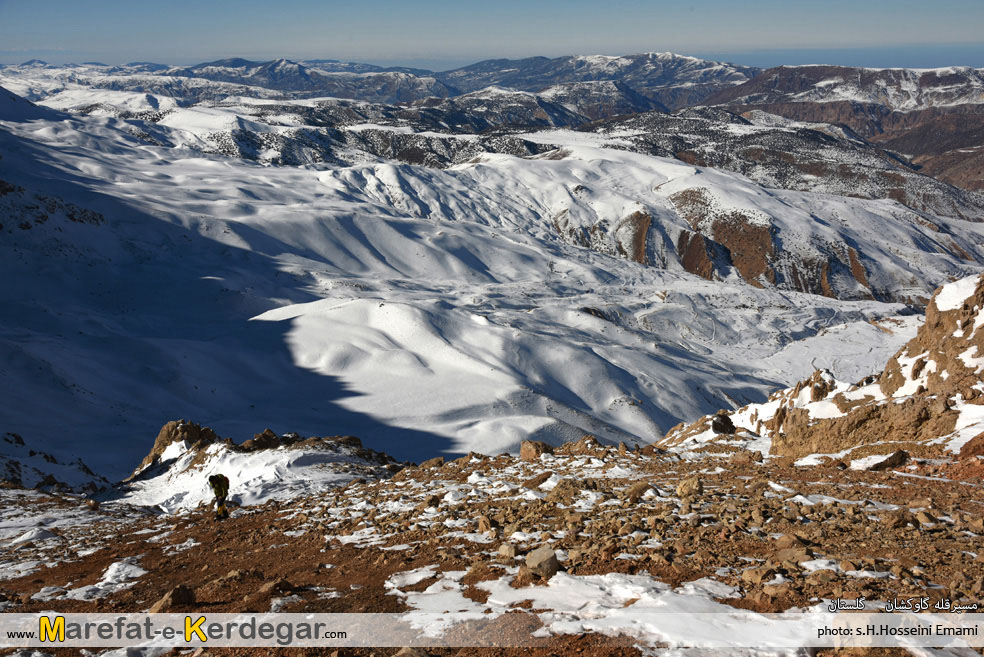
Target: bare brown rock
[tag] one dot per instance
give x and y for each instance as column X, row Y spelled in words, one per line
column 543, row 562
column 534, row 482
column 531, row 450
column 690, row 487
column 178, row 597
column 721, row 423
column 896, row 459
column 973, row 448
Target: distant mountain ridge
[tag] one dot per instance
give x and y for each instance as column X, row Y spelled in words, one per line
column 895, row 88
column 667, row 78
column 935, row 117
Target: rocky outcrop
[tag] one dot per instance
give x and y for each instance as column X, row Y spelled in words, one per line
column 194, row 436
column 915, row 407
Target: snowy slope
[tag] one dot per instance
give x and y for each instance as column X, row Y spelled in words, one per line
column 425, row 311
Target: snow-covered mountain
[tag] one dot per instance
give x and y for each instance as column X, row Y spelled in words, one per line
column 600, row 99
column 669, row 79
column 162, row 282
column 218, row 80
column 647, row 81
column 494, row 107
column 787, row 154
column 301, row 80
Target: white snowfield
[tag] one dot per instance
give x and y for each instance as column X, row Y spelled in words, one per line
column 425, row 311
column 180, row 480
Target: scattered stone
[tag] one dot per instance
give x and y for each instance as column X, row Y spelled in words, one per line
column 690, row 487
column 279, row 586
column 537, row 480
column 507, row 550
column 543, row 562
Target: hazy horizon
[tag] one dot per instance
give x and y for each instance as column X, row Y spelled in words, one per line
column 439, row 34
column 896, row 57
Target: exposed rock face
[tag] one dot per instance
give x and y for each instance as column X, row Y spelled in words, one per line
column 942, row 357
column 22, row 466
column 913, row 408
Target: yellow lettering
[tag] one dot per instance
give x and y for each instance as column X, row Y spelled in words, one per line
column 194, row 628
column 54, row 632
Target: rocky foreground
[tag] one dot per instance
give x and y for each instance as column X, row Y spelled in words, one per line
column 470, row 534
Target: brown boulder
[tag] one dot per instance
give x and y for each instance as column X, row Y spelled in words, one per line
column 690, row 487
column 535, row 482
column 974, row 447
column 543, row 562
column 896, row 459
column 435, row 462
column 721, row 423
column 265, row 440
column 531, row 450
column 179, row 596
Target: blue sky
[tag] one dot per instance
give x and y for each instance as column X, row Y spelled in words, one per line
column 443, row 33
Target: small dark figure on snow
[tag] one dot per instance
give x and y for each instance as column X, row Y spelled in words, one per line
column 220, row 486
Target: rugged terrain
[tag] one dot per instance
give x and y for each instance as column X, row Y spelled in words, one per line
column 530, row 277
column 935, row 117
